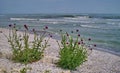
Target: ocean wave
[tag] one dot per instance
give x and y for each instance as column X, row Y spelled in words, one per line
column 77, row 17
column 104, row 16
column 110, row 23
column 23, row 19
column 52, row 21
column 66, row 20
column 89, row 26
column 100, row 16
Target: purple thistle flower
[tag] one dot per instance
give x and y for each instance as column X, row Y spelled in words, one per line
column 67, row 34
column 46, row 27
column 94, row 45
column 10, row 25
column 51, row 36
column 33, row 30
column 67, row 43
column 89, row 39
column 82, row 42
column 77, row 30
column 26, row 26
column 78, row 35
column 78, row 43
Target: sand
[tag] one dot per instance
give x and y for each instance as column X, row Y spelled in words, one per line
column 98, row 61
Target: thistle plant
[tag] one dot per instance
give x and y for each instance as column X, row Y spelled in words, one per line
column 24, row 51
column 73, row 52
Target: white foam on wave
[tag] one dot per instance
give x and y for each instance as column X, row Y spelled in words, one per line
column 111, row 23
column 25, row 19
column 52, row 21
column 89, row 26
column 66, row 20
column 78, row 17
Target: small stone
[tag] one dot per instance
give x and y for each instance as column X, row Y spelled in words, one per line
column 68, row 71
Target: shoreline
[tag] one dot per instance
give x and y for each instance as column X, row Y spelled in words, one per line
column 98, row 61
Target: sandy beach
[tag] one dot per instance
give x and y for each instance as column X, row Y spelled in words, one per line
column 98, row 61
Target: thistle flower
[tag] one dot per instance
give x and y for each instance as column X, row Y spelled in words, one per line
column 78, row 35
column 94, row 45
column 10, row 25
column 46, row 27
column 26, row 27
column 89, row 39
column 67, row 43
column 82, row 42
column 33, row 30
column 77, row 30
column 50, row 35
column 78, row 43
column 67, row 34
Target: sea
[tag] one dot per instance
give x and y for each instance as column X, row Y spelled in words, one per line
column 103, row 29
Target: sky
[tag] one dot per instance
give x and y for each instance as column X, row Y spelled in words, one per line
column 59, row 6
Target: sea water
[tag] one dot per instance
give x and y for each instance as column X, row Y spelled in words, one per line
column 103, row 29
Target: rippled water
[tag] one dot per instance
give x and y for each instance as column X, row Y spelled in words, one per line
column 104, row 29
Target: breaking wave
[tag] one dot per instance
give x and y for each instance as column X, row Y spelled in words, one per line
column 23, row 19
column 89, row 26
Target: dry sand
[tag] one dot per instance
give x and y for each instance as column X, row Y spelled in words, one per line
column 98, row 61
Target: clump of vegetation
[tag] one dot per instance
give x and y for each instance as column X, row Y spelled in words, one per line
column 24, row 70
column 73, row 52
column 24, row 51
